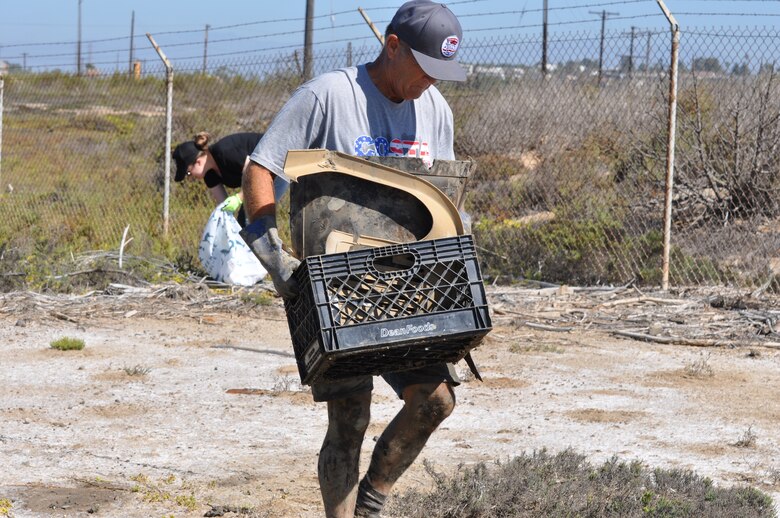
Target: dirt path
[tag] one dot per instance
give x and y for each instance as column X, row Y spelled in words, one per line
column 171, row 416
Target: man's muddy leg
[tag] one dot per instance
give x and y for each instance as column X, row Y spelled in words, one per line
column 339, row 460
column 425, row 407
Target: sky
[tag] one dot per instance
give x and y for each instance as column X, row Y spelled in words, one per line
column 43, row 34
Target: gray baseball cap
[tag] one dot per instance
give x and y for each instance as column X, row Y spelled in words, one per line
column 434, row 35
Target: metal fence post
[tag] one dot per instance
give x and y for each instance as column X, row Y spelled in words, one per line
column 308, row 41
column 168, row 131
column 672, row 125
column 2, row 88
column 376, row 32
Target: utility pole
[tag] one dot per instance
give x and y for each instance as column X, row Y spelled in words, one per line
column 647, row 52
column 205, row 47
column 544, row 40
column 132, row 34
column 78, row 48
column 631, row 54
column 604, row 15
column 308, row 40
column 24, row 61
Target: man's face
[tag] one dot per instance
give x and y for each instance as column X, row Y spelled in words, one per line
column 408, row 79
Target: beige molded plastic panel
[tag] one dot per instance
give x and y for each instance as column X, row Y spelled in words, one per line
column 445, row 218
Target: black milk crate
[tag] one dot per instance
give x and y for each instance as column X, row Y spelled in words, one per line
column 387, row 309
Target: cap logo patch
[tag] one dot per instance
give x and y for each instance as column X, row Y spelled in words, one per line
column 449, row 46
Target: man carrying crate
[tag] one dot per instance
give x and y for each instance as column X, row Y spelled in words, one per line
column 389, row 107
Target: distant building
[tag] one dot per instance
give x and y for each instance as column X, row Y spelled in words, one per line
column 490, row 71
column 3, row 67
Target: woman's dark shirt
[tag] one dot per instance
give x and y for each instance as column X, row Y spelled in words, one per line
column 230, row 155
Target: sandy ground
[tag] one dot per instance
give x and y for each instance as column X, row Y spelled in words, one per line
column 174, row 416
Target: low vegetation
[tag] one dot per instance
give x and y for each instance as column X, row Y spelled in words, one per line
column 565, row 484
column 748, row 439
column 137, row 370
column 165, row 490
column 67, row 344
column 5, row 507
column 700, row 368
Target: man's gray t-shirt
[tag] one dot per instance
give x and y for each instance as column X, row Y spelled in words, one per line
column 344, row 111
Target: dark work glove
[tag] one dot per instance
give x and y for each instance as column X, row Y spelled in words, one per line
column 465, row 217
column 262, row 237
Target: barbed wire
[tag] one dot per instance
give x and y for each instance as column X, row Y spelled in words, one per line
column 585, row 6
column 223, row 54
column 727, row 14
column 223, row 27
column 41, row 44
column 733, row 34
column 242, row 38
column 227, row 40
column 253, row 55
column 259, row 22
column 590, row 5
column 280, row 47
column 298, row 45
column 198, row 43
column 574, row 22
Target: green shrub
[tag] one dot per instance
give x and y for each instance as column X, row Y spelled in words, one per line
column 67, row 344
column 566, row 249
column 6, row 505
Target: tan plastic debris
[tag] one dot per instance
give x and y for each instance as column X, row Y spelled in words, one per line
column 445, row 217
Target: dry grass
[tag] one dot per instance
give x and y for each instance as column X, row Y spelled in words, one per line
column 700, row 368
column 565, row 484
column 748, row 439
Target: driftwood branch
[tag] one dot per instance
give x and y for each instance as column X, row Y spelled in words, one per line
column 696, row 342
column 634, row 300
column 122, row 245
column 545, row 327
column 92, row 270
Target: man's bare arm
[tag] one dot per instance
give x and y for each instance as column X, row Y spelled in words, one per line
column 257, row 184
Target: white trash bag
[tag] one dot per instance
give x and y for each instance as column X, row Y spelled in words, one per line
column 225, row 255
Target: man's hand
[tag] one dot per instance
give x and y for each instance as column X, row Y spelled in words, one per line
column 262, row 237
column 232, row 203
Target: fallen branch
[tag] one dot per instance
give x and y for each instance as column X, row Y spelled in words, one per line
column 124, row 242
column 544, row 327
column 696, row 342
column 92, row 270
column 634, row 300
column 62, row 316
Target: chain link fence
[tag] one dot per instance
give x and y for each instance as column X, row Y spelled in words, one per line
column 571, row 160
column 727, row 203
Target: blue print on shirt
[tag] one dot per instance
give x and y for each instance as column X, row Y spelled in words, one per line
column 367, row 146
column 382, row 146
column 364, row 146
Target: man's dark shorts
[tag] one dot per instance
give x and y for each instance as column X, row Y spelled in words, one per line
column 436, row 373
